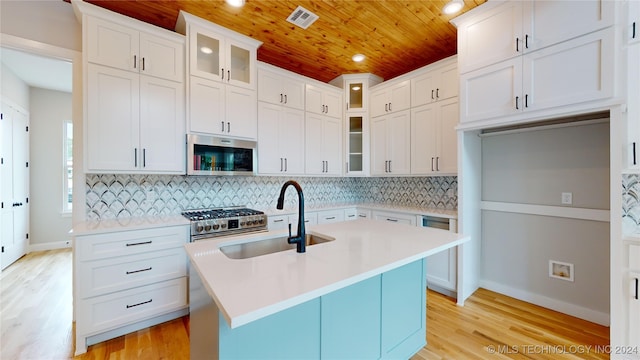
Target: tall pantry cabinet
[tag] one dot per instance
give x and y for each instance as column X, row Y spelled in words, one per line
column 14, row 184
column 133, row 94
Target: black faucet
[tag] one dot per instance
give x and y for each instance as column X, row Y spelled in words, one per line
column 300, row 238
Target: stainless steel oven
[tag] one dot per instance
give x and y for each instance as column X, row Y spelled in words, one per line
column 217, row 222
column 210, row 155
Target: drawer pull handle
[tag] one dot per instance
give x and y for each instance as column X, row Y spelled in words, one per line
column 392, row 220
column 636, row 288
column 350, row 215
column 331, row 218
column 278, row 220
column 140, row 243
column 362, row 215
column 137, row 271
column 138, row 304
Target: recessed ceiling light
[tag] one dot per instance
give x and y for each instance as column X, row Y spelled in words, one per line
column 206, row 50
column 235, row 3
column 358, row 57
column 453, row 7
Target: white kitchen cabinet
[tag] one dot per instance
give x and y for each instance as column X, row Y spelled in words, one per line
column 323, row 145
column 568, row 73
column 276, row 222
column 324, row 100
column 437, row 84
column 126, row 280
column 278, row 87
column 498, row 31
column 634, row 294
column 390, row 98
column 218, row 109
column 357, row 144
column 434, row 139
column 394, row 217
column 390, row 144
column 330, row 216
column 133, row 94
column 14, row 184
column 133, row 123
column 280, row 140
column 219, row 54
column 442, row 267
column 126, row 48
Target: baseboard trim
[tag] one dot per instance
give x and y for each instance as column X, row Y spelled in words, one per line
column 50, row 246
column 549, row 303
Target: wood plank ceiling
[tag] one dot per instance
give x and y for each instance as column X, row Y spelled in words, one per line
column 396, row 36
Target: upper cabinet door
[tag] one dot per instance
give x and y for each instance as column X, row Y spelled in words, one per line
column 112, row 45
column 491, row 36
column 324, row 101
column 161, row 58
column 547, row 23
column 280, row 89
column 391, row 98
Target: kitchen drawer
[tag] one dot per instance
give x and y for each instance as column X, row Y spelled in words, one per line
column 114, row 310
column 106, row 245
column 350, row 214
column 330, row 216
column 394, row 217
column 104, row 276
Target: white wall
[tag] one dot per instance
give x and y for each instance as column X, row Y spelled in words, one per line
column 534, row 168
column 14, row 90
column 46, row 21
column 49, row 109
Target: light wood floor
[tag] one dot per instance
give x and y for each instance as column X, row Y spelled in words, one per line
column 36, row 321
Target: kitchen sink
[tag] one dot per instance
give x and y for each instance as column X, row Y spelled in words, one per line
column 268, row 246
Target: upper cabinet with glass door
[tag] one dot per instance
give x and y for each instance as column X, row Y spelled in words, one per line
column 219, row 54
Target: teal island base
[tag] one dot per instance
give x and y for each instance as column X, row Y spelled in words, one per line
column 382, row 317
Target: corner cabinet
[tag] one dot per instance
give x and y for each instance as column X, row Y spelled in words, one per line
column 222, row 81
column 133, row 95
column 126, row 280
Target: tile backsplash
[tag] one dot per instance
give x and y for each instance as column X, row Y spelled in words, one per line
column 630, row 203
column 116, row 196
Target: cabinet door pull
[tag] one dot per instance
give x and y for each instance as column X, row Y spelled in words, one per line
column 142, row 64
column 137, row 271
column 392, row 220
column 636, row 295
column 633, row 30
column 526, row 100
column 285, row 99
column 390, row 166
column 517, row 44
column 327, row 165
column 222, row 123
column 135, row 62
column 140, row 243
column 432, row 98
column 634, row 153
column 285, row 164
column 526, row 41
column 222, row 73
column 326, row 107
column 281, row 162
column 228, row 127
column 386, row 107
column 138, row 304
column 135, row 157
column 144, row 157
column 432, row 168
column 228, row 75
column 389, row 106
column 281, row 98
column 437, row 163
column 437, row 93
column 517, row 98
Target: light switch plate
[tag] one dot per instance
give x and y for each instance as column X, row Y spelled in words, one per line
column 567, row 198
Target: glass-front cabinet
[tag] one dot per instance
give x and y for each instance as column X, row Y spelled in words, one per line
column 354, row 94
column 355, row 145
column 216, row 57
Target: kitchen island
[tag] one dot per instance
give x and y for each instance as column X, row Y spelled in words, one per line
column 361, row 294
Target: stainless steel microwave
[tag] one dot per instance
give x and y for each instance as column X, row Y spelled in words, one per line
column 211, row 155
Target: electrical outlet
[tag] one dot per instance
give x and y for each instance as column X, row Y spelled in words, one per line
column 567, row 198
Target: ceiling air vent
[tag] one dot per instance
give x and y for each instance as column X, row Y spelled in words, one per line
column 302, row 17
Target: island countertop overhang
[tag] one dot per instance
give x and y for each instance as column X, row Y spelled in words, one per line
column 245, row 290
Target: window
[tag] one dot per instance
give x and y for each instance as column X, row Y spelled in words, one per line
column 67, row 163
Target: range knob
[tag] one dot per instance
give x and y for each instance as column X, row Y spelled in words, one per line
column 215, row 226
column 242, row 223
column 207, row 227
column 199, row 228
column 249, row 223
column 223, row 226
column 261, row 221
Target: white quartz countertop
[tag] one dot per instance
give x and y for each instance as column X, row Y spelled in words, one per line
column 449, row 214
column 125, row 224
column 248, row 289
